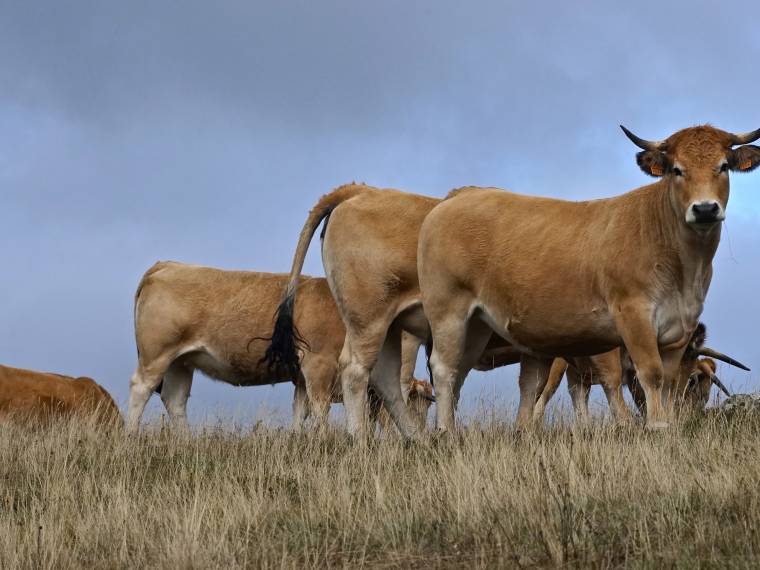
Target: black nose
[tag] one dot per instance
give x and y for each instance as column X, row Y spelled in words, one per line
column 706, row 212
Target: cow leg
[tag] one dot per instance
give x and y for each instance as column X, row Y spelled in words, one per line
column 144, row 382
column 357, row 359
column 634, row 325
column 637, row 393
column 385, row 379
column 174, row 393
column 410, row 347
column 458, row 343
column 478, row 335
column 300, row 405
column 319, row 377
column 673, row 390
column 609, row 372
column 579, row 389
column 534, row 373
column 378, row 415
column 557, row 371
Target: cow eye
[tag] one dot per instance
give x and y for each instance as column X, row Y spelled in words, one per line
column 724, row 167
column 677, row 171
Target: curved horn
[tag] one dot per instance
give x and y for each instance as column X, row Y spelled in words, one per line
column 720, row 385
column 644, row 144
column 746, row 138
column 704, row 351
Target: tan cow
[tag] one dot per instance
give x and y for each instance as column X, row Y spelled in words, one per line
column 189, row 317
column 369, row 252
column 559, row 278
column 31, row 395
column 587, row 371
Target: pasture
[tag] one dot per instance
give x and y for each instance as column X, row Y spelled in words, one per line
column 566, row 495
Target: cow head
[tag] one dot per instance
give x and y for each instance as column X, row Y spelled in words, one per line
column 420, row 399
column 694, row 163
column 697, row 374
column 700, row 384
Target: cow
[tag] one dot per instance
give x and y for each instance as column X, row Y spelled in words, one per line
column 369, row 252
column 560, row 278
column 190, row 317
column 587, row 371
column 28, row 395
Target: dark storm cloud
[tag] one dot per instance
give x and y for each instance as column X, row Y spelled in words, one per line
column 144, row 130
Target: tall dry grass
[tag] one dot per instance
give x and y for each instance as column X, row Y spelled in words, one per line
column 73, row 495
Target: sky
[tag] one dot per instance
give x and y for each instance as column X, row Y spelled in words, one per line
column 203, row 132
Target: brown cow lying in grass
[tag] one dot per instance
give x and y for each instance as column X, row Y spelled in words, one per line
column 35, row 396
column 189, row 318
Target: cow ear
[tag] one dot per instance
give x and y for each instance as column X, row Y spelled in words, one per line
column 744, row 158
column 653, row 162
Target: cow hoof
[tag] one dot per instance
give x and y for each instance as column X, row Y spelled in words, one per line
column 657, row 426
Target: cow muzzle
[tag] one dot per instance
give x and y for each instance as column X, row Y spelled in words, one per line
column 705, row 213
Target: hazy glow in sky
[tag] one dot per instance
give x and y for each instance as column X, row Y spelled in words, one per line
column 204, row 132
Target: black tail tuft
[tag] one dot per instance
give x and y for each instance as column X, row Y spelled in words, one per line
column 282, row 354
column 428, row 352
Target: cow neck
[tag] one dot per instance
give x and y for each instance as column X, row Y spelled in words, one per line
column 695, row 251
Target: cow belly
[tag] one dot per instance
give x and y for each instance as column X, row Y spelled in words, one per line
column 558, row 334
column 238, row 371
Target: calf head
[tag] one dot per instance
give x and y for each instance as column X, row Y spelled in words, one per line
column 420, row 399
column 697, row 374
column 700, row 384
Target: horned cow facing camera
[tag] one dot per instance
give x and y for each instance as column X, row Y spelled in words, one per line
column 559, row 278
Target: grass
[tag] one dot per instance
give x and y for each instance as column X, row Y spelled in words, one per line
column 73, row 495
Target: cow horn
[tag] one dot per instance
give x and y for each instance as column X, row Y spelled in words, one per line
column 643, row 144
column 746, row 138
column 704, row 351
column 720, row 385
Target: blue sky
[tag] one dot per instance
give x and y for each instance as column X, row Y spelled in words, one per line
column 139, row 131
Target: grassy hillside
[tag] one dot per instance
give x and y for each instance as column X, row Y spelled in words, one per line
column 77, row 496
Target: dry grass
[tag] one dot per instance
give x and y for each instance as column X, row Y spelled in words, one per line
column 600, row 496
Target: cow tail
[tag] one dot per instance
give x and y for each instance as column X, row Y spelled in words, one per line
column 282, row 354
